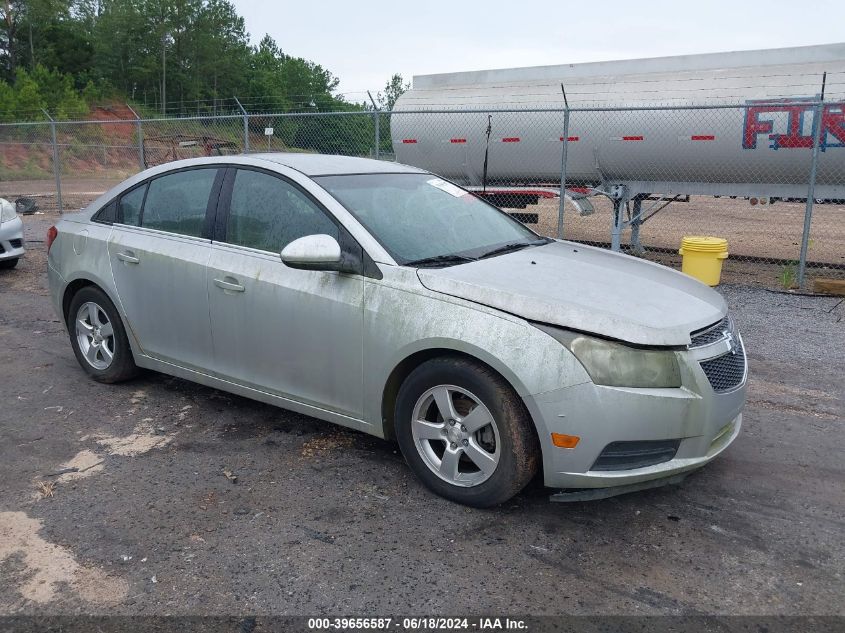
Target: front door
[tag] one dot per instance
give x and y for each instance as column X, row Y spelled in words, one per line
column 294, row 333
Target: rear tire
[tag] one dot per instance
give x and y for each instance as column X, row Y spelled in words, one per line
column 98, row 337
column 484, row 450
column 8, row 264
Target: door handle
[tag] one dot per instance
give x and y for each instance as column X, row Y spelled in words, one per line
column 231, row 286
column 128, row 257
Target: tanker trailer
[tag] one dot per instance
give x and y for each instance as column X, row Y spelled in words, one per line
column 723, row 124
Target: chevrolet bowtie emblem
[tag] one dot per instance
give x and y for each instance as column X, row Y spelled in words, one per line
column 731, row 341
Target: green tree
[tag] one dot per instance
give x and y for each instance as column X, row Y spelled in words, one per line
column 8, row 103
column 10, row 11
column 351, row 134
column 64, row 54
column 59, row 95
column 223, row 56
column 393, row 89
column 29, row 102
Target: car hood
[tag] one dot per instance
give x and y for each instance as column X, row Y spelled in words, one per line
column 586, row 289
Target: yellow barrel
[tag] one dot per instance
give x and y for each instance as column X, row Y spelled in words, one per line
column 703, row 256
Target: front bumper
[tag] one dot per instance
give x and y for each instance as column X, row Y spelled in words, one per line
column 11, row 239
column 594, row 494
column 702, row 421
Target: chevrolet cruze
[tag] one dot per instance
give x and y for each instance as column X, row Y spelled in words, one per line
column 383, row 298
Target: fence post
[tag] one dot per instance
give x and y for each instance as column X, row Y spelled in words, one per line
column 142, row 163
column 57, row 168
column 246, row 126
column 375, row 124
column 563, row 156
column 811, row 188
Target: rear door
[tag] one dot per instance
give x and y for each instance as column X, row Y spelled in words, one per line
column 159, row 250
column 294, row 333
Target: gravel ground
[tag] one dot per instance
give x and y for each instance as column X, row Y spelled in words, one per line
column 789, row 327
column 770, row 231
column 188, row 500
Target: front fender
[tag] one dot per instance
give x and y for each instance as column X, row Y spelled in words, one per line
column 400, row 322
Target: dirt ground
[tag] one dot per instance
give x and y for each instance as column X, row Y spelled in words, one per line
column 760, row 231
column 186, row 500
column 764, row 241
column 76, row 193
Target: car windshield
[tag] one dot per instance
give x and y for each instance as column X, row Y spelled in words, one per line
column 423, row 220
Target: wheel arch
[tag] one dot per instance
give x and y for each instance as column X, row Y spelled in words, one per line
column 413, row 360
column 80, row 279
column 76, row 284
column 70, row 291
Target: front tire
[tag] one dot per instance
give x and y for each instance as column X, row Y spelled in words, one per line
column 8, row 264
column 465, row 433
column 98, row 337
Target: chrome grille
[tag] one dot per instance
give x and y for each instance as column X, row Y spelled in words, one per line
column 726, row 372
column 711, row 333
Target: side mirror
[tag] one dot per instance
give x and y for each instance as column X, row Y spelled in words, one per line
column 319, row 252
column 313, row 252
column 323, row 252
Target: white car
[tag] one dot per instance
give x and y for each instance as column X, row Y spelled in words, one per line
column 11, row 235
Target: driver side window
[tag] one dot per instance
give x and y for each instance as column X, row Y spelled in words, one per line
column 268, row 213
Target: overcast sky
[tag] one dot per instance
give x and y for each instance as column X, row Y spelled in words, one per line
column 364, row 43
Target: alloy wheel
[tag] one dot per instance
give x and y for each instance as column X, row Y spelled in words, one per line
column 95, row 335
column 456, row 435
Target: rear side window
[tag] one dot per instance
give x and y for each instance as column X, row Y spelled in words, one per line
column 268, row 213
column 177, row 203
column 107, row 214
column 129, row 207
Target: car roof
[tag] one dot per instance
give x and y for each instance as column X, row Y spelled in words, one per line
column 325, row 165
column 310, row 165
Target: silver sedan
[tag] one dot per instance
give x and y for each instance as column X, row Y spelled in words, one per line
column 383, row 298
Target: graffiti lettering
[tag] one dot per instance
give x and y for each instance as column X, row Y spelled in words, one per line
column 792, row 134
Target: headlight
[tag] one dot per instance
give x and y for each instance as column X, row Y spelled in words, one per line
column 7, row 211
column 618, row 365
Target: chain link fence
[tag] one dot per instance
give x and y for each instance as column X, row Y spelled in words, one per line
column 767, row 176
column 26, row 153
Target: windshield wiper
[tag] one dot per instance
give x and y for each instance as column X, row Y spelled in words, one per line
column 514, row 246
column 440, row 260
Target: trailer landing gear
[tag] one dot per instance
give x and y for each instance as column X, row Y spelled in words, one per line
column 628, row 211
